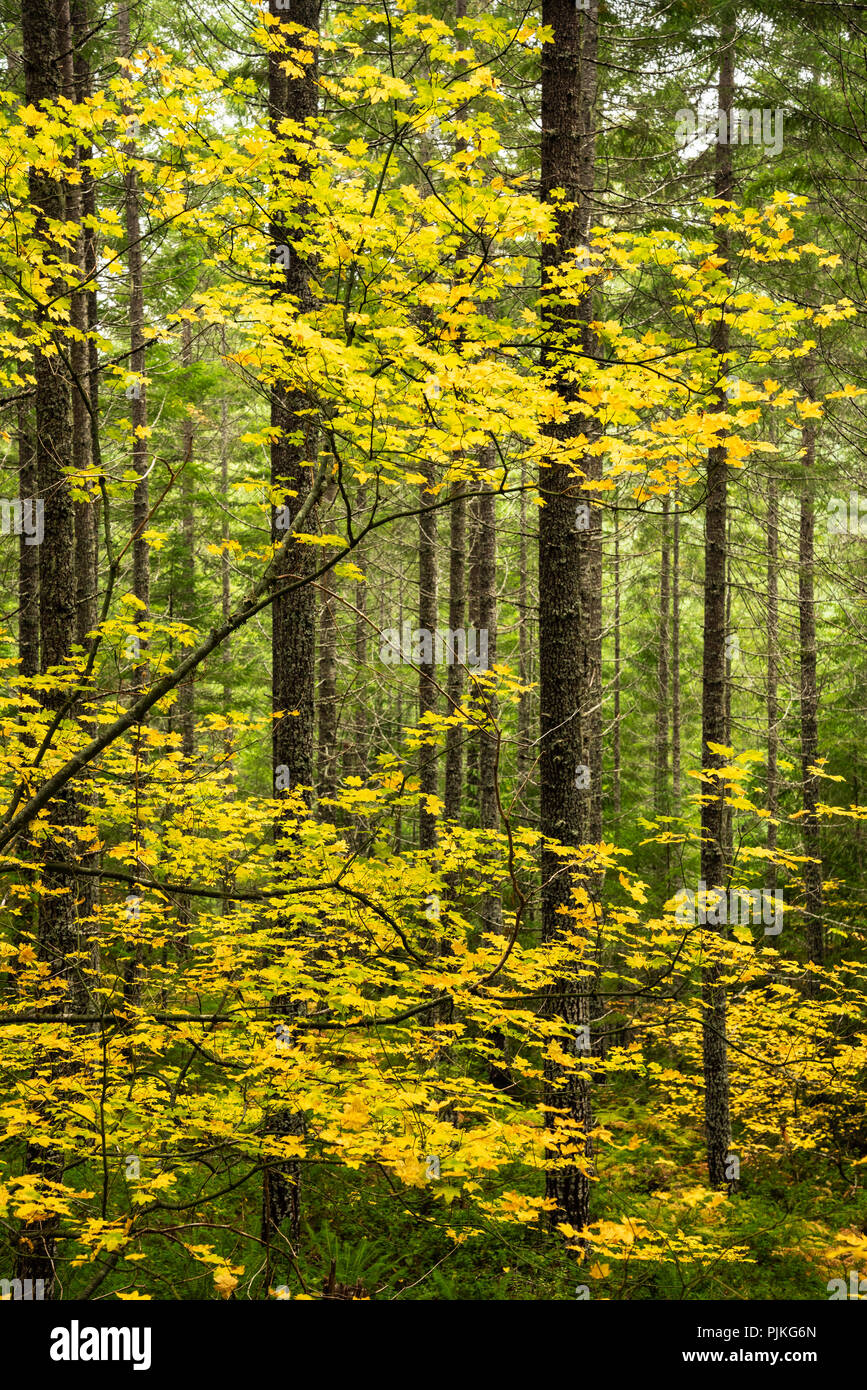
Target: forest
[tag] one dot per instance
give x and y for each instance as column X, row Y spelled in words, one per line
column 433, row 447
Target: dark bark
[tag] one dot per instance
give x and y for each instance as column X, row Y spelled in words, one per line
column 326, row 781
column 773, row 528
column 675, row 658
column 455, row 676
column 360, row 753
column 569, row 622
column 187, row 606
column 28, row 554
column 815, row 937
column 615, row 739
column 524, row 753
column 58, row 922
column 427, row 687
column 137, row 362
column 293, row 614
column 660, row 785
column 713, row 866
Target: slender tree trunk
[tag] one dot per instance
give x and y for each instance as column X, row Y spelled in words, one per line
column 427, row 691
column 360, row 755
column 327, row 750
column 141, row 578
column 525, row 708
column 225, row 560
column 675, row 658
column 661, row 798
column 713, row 866
column 58, row 922
column 732, row 648
column 28, row 554
column 568, row 622
column 87, row 525
column 473, row 790
column 773, row 672
column 455, row 677
column 815, row 936
column 615, row 737
column 186, row 692
column 293, row 614
column 489, row 811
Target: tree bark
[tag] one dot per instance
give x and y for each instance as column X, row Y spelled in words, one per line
column 58, row 921
column 675, row 658
column 28, row 554
column 815, row 937
column 141, row 578
column 773, row 528
column 568, row 621
column 327, row 749
column 186, row 692
column 427, row 690
column 661, row 797
column 293, row 614
column 713, row 867
column 455, row 676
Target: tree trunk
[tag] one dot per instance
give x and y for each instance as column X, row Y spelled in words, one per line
column 225, row 560
column 568, row 624
column 525, row 707
column 427, row 690
column 675, row 658
column 186, row 691
column 327, row 751
column 809, row 705
column 615, row 739
column 713, row 867
column 137, row 391
column 773, row 672
column 360, row 753
column 661, row 797
column 28, row 554
column 293, row 614
column 489, row 811
column 455, row 676
column 58, row 923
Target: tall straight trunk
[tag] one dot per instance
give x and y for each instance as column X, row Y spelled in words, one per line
column 473, row 788
column 589, row 635
column 58, row 922
column 489, row 811
column 28, row 555
column 225, row 559
column 732, row 647
column 567, row 615
column 293, row 614
column 524, row 666
column 455, row 677
column 326, row 781
column 360, row 754
column 615, row 737
column 815, row 937
column 675, row 657
column 186, row 691
column 427, row 690
column 773, row 528
column 137, row 394
column 713, row 866
column 74, row 78
column 141, row 577
column 660, row 797
column 87, row 523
